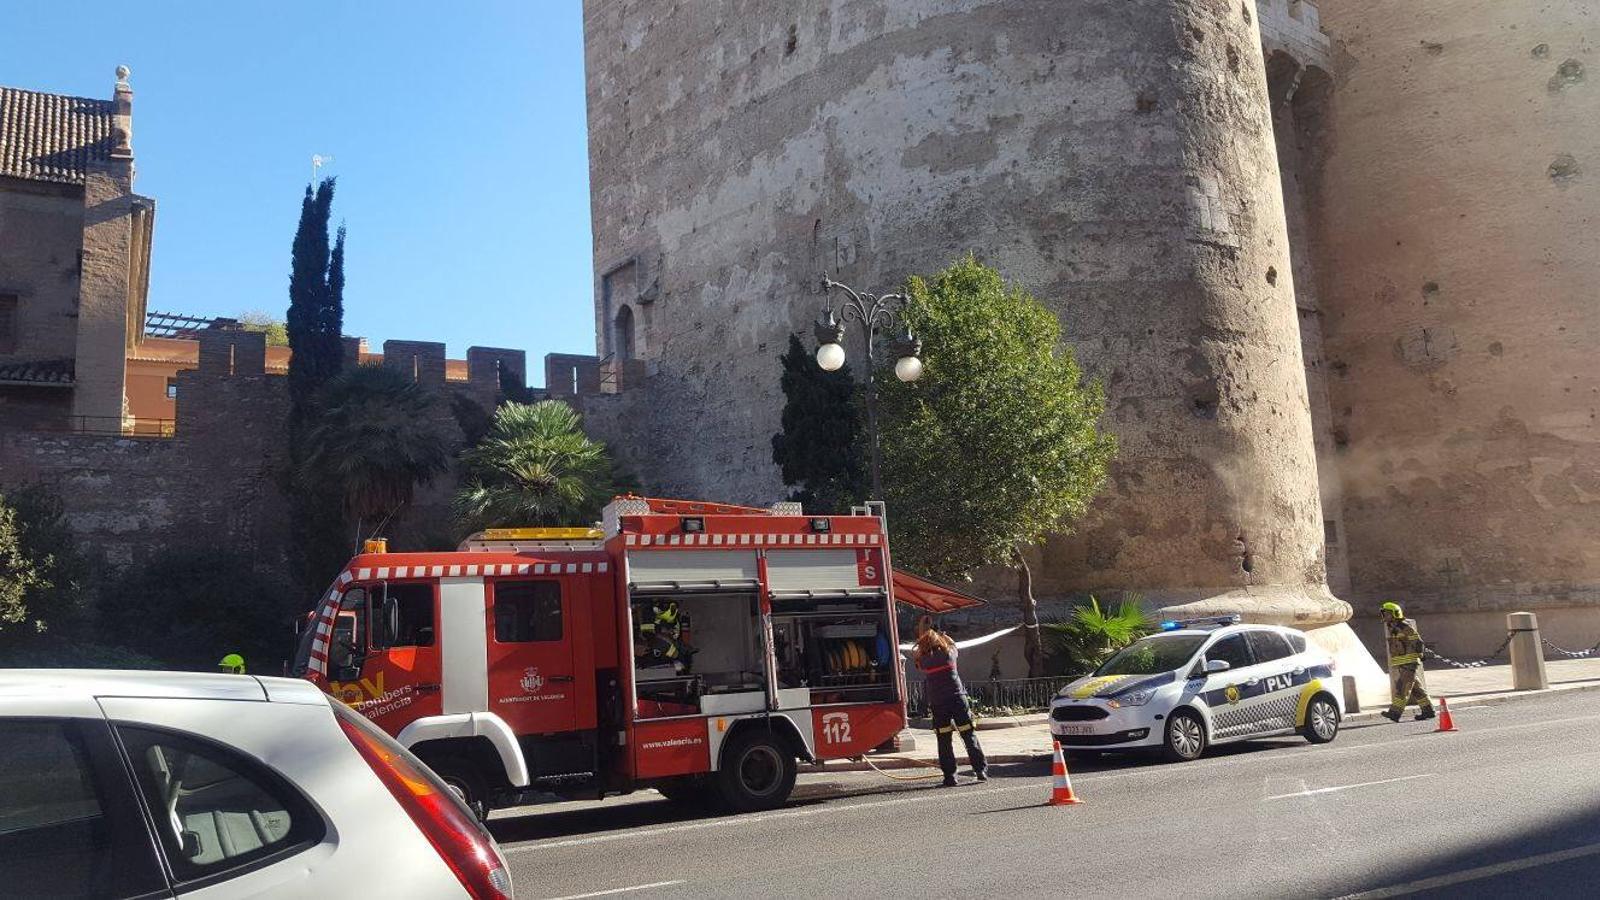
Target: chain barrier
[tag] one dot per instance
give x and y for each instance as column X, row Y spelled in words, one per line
column 1572, row 654
column 1475, row 664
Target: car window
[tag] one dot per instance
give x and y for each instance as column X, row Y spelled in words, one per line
column 527, row 611
column 1267, row 645
column 1297, row 642
column 69, row 822
column 1152, row 655
column 216, row 810
column 402, row 616
column 1231, row 650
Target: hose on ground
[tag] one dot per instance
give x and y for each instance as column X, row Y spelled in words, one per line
column 873, row 767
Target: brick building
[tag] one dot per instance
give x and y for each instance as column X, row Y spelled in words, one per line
column 74, row 255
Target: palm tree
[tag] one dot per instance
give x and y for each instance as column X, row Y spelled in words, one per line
column 374, row 437
column 1092, row 634
column 535, row 467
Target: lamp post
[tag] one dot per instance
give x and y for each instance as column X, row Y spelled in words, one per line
column 873, row 311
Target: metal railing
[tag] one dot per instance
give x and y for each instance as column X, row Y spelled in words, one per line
column 1009, row 693
column 126, row 426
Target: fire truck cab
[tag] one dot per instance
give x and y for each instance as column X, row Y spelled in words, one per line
column 696, row 648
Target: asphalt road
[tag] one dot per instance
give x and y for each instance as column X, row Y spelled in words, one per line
column 1511, row 802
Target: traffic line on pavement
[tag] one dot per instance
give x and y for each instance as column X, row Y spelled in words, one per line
column 1478, row 874
column 1346, row 787
column 621, row 890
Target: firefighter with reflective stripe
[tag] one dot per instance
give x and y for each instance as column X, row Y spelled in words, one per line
column 935, row 657
column 663, row 638
column 1405, row 665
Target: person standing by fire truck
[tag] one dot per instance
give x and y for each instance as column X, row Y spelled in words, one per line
column 935, row 657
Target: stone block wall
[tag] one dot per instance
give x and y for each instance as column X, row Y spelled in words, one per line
column 1295, row 27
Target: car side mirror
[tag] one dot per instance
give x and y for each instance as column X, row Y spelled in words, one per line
column 347, row 673
column 1214, row 666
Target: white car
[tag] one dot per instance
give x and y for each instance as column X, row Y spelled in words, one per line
column 164, row 784
column 1198, row 683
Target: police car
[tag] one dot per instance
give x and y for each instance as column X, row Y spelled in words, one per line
column 1201, row 682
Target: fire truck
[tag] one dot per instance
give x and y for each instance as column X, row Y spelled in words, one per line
column 695, row 648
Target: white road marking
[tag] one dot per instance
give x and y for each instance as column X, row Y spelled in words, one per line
column 921, row 796
column 1346, row 787
column 1515, row 865
column 624, row 890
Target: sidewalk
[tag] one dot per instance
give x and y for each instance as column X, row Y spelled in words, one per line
column 1023, row 738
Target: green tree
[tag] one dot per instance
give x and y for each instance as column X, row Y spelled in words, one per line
column 314, row 324
column 1092, row 634
column 43, row 576
column 374, row 437
column 535, row 467
column 189, row 607
column 821, row 447
column 998, row 445
column 316, row 301
column 276, row 331
column 20, row 580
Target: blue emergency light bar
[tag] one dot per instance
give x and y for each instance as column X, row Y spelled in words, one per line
column 1207, row 622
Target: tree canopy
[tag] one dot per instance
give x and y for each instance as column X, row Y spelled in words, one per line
column 998, row 444
column 821, row 448
column 316, row 300
column 375, row 436
column 535, row 467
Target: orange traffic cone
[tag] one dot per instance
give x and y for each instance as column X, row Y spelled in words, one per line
column 1061, row 793
column 1445, row 722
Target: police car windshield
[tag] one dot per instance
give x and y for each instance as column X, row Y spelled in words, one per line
column 1152, row 655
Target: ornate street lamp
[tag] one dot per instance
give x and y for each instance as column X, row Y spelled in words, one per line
column 873, row 311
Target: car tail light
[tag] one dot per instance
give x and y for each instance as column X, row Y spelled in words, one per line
column 439, row 814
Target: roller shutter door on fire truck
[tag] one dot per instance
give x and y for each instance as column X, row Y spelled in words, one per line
column 667, row 569
column 822, row 570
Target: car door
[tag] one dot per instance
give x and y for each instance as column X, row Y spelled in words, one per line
column 1231, row 694
column 532, row 682
column 70, row 822
column 400, row 666
column 1279, row 677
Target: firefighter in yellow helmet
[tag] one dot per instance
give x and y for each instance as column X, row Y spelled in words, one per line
column 1405, row 664
column 233, row 663
column 662, row 637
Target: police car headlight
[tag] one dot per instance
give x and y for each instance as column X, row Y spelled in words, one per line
column 1132, row 698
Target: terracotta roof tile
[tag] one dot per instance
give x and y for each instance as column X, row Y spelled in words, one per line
column 52, row 137
column 55, row 371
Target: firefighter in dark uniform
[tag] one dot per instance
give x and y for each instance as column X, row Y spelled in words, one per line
column 936, row 658
column 663, row 637
column 1405, row 664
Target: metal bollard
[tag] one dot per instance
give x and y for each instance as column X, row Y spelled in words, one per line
column 1527, row 653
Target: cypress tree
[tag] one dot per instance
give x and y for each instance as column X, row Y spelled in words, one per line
column 320, row 541
column 821, row 449
column 316, row 313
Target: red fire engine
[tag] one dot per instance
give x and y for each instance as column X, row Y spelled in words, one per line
column 696, row 648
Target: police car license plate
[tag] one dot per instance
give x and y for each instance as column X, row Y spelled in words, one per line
column 1076, row 729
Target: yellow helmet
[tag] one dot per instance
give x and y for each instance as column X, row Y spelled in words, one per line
column 233, row 662
column 1392, row 609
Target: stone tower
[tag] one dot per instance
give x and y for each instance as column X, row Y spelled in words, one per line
column 1116, row 157
column 1455, row 178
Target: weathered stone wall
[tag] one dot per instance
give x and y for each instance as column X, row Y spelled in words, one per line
column 41, row 234
column 218, row 478
column 1118, row 162
column 1457, row 258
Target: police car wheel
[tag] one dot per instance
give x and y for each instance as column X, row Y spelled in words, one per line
column 1185, row 737
column 756, row 773
column 1322, row 721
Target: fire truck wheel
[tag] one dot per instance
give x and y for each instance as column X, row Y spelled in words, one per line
column 459, row 775
column 757, row 773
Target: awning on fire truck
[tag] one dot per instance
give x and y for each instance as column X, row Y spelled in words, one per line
column 914, row 590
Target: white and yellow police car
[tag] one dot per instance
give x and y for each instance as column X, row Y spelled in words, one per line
column 1201, row 682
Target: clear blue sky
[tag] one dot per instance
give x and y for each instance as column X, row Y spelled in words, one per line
column 458, row 138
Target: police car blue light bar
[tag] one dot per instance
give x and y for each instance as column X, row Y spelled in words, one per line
column 1207, row 622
